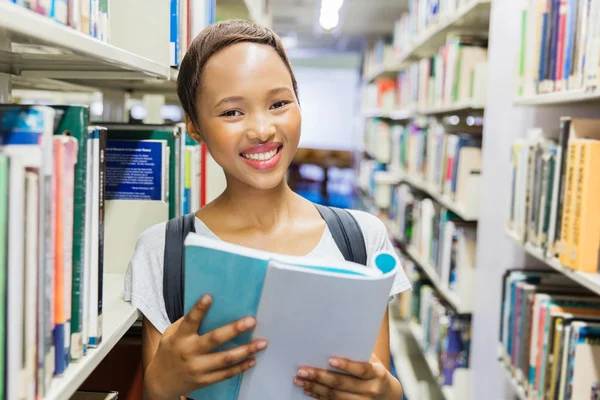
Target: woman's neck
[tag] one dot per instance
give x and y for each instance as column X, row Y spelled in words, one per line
column 261, row 209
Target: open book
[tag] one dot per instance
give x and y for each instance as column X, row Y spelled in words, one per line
column 308, row 309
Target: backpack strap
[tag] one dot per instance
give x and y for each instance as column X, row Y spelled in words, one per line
column 173, row 266
column 346, row 233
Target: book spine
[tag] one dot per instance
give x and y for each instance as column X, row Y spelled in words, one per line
column 560, row 47
column 587, row 214
column 568, row 205
column 95, row 336
column 174, row 41
column 554, row 231
column 69, row 187
column 79, row 239
column 31, row 280
column 93, row 317
column 59, row 261
column 90, row 199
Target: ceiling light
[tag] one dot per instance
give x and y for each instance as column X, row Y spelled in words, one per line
column 329, row 20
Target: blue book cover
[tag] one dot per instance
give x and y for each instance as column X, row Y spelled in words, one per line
column 554, row 40
column 286, row 296
column 570, row 41
column 463, row 141
column 174, row 34
column 543, row 50
column 135, row 170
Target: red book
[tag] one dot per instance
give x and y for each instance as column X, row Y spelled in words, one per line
column 560, row 48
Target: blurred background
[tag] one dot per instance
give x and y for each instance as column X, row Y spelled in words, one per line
column 470, row 127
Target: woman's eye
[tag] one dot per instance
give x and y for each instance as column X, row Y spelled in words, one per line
column 279, row 104
column 231, row 113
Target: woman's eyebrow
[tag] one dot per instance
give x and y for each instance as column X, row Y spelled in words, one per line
column 229, row 99
column 278, row 90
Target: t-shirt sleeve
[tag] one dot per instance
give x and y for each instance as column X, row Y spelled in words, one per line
column 376, row 240
column 144, row 277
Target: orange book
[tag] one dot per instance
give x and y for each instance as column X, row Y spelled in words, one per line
column 586, row 243
column 59, row 260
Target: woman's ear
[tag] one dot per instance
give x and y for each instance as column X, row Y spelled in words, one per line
column 192, row 131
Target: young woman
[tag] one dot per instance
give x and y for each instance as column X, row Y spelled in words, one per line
column 240, row 96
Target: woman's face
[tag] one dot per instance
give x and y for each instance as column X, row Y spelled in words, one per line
column 249, row 116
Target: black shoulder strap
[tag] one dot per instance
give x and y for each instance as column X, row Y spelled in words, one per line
column 346, row 233
column 173, row 267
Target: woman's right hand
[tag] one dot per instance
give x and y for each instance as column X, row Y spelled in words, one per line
column 184, row 362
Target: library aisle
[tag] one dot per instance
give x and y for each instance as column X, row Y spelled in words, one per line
column 471, row 128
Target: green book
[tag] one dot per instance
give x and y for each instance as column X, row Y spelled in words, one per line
column 73, row 121
column 3, row 255
column 167, row 133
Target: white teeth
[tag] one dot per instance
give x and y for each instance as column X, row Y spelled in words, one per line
column 261, row 156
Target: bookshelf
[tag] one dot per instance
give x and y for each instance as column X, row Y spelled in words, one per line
column 474, row 14
column 70, row 53
column 559, row 98
column 118, row 317
column 451, row 298
column 518, row 389
column 403, row 115
column 417, row 183
column 588, row 280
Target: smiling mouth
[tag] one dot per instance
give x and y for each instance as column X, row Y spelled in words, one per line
column 266, row 156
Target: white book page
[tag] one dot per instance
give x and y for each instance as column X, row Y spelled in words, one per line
column 308, row 318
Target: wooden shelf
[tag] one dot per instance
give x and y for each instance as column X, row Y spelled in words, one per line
column 451, row 297
column 443, row 199
column 588, row 280
column 118, row 316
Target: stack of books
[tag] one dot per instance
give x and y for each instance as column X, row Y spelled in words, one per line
column 554, row 191
column 74, row 198
column 88, row 16
column 443, row 335
column 560, row 46
column 549, row 335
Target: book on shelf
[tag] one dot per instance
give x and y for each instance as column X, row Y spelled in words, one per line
column 549, row 334
column 444, row 242
column 554, row 184
column 445, row 334
column 52, row 258
column 559, row 46
column 261, row 288
column 454, row 76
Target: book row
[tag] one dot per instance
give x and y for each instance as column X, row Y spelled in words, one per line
column 88, row 16
column 444, row 335
column 560, row 46
column 73, row 200
column 550, row 335
column 93, row 17
column 422, row 16
column 554, row 190
column 439, row 238
column 446, row 163
column 455, row 75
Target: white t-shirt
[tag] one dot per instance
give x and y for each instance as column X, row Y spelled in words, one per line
column 144, row 278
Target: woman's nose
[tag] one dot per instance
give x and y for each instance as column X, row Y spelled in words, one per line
column 261, row 128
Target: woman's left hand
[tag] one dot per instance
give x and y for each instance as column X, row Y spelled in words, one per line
column 361, row 381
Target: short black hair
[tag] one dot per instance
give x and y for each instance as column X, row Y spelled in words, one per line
column 210, row 41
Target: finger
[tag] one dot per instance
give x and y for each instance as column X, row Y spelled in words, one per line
column 318, row 391
column 333, row 380
column 360, row 370
column 226, row 359
column 213, row 339
column 221, row 375
column 191, row 320
column 171, row 329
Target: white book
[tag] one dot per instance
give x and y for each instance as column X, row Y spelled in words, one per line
column 93, row 317
column 32, row 194
column 86, row 273
column 14, row 284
